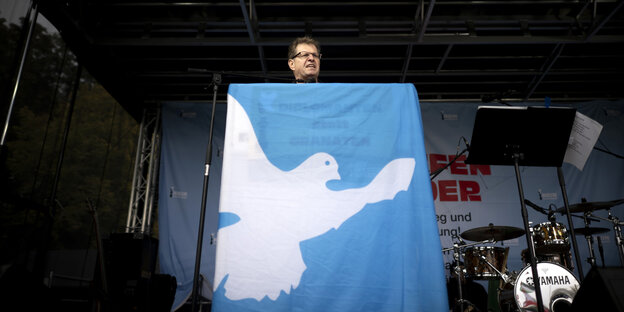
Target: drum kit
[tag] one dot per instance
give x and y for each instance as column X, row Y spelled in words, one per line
column 516, row 291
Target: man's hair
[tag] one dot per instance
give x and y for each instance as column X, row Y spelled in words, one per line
column 292, row 49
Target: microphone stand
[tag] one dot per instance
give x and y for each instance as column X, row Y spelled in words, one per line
column 516, row 156
column 216, row 80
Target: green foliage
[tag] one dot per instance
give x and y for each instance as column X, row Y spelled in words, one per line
column 96, row 169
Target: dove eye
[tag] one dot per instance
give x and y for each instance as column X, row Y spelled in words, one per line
column 327, row 163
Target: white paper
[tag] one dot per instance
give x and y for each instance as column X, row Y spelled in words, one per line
column 583, row 137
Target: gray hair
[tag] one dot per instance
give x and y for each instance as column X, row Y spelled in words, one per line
column 292, row 49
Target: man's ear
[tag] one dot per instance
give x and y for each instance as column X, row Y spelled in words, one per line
column 291, row 64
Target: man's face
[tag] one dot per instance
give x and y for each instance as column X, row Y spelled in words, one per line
column 305, row 67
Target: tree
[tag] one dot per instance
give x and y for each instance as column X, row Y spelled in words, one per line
column 97, row 165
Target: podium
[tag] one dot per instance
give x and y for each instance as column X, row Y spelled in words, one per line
column 305, row 155
column 522, row 136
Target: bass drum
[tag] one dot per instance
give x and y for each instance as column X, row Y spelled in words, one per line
column 557, row 284
column 563, row 258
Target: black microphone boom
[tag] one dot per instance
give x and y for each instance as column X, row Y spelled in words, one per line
column 226, row 73
column 536, row 207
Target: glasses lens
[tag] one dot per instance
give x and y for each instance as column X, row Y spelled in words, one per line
column 305, row 55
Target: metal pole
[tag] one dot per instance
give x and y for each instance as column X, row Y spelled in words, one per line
column 33, row 22
column 570, row 224
column 525, row 218
column 216, row 80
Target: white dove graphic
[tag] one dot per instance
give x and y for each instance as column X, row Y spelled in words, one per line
column 260, row 254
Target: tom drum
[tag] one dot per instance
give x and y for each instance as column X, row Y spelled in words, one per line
column 477, row 268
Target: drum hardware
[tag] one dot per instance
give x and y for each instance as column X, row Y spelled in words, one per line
column 503, row 276
column 617, row 229
column 459, row 271
column 590, row 230
column 464, row 244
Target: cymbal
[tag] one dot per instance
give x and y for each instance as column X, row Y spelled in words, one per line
column 590, row 230
column 497, row 233
column 591, row 206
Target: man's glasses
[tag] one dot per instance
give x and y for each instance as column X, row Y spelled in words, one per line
column 305, row 55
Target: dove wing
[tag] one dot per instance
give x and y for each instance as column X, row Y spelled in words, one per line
column 245, row 165
column 396, row 176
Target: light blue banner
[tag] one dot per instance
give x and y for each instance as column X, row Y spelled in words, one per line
column 329, row 185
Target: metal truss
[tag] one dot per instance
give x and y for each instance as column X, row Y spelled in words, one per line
column 492, row 50
column 145, row 176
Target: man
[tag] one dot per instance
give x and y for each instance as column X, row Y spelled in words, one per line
column 304, row 59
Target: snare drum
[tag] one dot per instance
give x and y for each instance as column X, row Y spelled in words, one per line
column 557, row 285
column 550, row 237
column 477, row 268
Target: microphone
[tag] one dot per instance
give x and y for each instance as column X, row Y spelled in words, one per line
column 466, row 142
column 551, row 217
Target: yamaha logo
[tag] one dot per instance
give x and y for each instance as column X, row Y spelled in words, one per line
column 550, row 280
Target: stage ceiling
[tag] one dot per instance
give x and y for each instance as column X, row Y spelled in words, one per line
column 146, row 52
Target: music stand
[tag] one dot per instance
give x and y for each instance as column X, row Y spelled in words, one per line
column 521, row 136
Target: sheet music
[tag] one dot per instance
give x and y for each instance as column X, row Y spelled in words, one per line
column 583, row 137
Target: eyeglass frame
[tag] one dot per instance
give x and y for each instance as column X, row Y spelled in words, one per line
column 314, row 55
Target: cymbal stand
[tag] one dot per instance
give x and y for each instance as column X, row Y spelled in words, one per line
column 617, row 229
column 464, row 245
column 618, row 234
column 459, row 273
column 590, row 242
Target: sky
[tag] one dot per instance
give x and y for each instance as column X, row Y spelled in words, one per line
column 13, row 10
